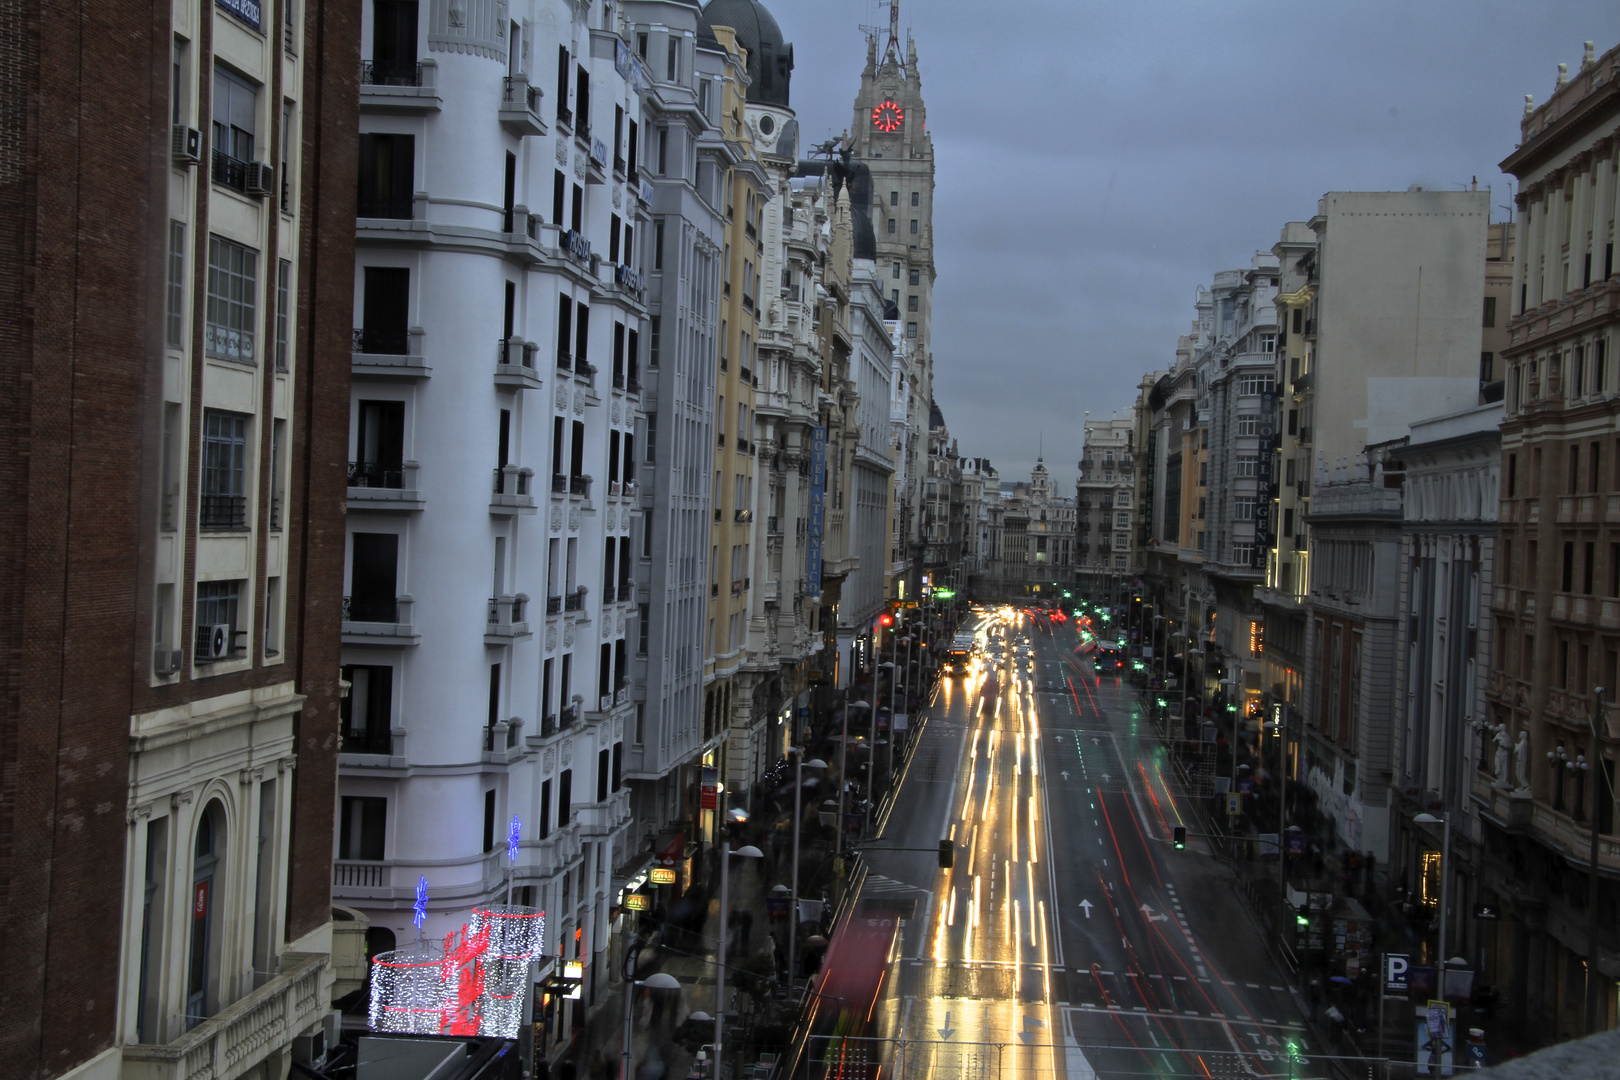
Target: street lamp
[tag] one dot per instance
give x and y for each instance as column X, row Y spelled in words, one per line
column 1444, row 820
column 798, row 794
column 659, row 981
column 747, row 851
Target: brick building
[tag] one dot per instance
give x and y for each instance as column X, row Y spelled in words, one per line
column 174, row 362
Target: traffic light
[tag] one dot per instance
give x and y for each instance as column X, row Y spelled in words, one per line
column 885, row 620
column 1178, row 837
column 1302, row 918
column 947, row 854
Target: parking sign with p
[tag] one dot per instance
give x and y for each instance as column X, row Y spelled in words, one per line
column 1396, row 967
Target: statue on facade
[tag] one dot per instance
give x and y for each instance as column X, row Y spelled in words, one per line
column 1501, row 741
column 1521, row 760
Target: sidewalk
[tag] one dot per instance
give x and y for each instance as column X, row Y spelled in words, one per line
column 664, row 1037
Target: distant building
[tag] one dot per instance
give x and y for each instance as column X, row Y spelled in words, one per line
column 1105, row 507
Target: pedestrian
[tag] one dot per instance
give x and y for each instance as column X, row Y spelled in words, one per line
column 745, row 929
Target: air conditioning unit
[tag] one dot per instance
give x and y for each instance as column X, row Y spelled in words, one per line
column 165, row 661
column 261, row 178
column 185, row 145
column 310, row 1049
column 217, row 644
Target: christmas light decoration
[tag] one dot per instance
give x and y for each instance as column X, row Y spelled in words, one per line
column 472, row 984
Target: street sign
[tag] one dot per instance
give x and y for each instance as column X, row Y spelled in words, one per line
column 1234, row 804
column 1396, row 966
column 1488, row 912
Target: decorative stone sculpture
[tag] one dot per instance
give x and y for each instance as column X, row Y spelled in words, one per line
column 1501, row 741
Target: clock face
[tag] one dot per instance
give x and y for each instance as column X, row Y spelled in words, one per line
column 887, row 117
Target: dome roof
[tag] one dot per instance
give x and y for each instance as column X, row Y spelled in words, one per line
column 770, row 59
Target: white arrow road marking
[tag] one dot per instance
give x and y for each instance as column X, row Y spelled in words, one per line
column 947, row 1031
column 1153, row 916
column 1086, row 904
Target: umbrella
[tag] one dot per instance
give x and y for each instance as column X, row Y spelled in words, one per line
column 1342, row 981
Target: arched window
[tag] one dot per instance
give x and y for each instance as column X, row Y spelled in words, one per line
column 207, row 877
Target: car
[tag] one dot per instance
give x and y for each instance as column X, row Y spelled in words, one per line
column 1108, row 658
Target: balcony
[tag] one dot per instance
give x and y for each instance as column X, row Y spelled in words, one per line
column 222, row 513
column 238, row 1038
column 385, row 204
column 374, row 485
column 554, row 605
column 568, row 717
column 565, row 117
column 608, row 594
column 520, row 106
column 579, row 486
column 349, row 876
column 503, row 742
column 390, row 353
column 514, row 364
column 559, row 483
column 374, row 740
column 575, row 601
column 773, row 526
column 378, row 621
column 399, row 86
column 511, row 492
column 508, row 619
column 1577, row 509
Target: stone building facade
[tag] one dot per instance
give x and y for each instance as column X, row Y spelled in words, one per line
column 1553, row 612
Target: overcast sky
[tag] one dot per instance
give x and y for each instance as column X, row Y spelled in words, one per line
column 1096, row 162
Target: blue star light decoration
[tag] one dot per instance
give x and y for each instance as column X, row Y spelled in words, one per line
column 419, row 912
column 512, row 839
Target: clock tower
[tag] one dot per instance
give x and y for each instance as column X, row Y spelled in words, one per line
column 890, row 136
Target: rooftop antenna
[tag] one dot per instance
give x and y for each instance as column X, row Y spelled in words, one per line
column 891, row 49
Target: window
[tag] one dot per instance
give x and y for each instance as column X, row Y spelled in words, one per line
column 914, row 198
column 891, row 227
column 489, row 820
column 385, row 311
column 911, row 329
column 224, row 460
column 364, row 825
column 175, row 315
column 283, row 298
column 1490, row 311
column 218, row 604
column 1248, row 424
column 1243, row 508
column 672, row 63
column 1253, row 385
column 663, row 151
column 896, row 273
column 642, row 627
column 913, row 226
column 233, row 272
column 366, row 714
column 393, row 43
column 916, row 276
column 1247, row 464
column 1268, row 343
column 565, row 795
column 911, row 302
column 1243, row 554
column 373, row 577
column 894, row 198
column 236, row 110
column 658, row 264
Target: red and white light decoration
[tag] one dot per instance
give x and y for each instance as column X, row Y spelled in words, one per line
column 472, row 984
column 888, row 117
